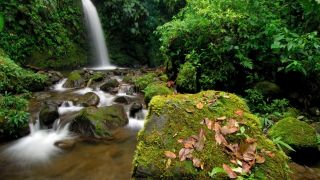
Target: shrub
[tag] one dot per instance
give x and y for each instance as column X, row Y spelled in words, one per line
column 143, row 81
column 186, row 80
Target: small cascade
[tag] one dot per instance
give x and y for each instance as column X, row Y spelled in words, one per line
column 38, row 146
column 97, row 36
column 68, row 106
column 137, row 122
column 59, row 86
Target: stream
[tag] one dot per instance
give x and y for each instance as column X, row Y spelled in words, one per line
column 36, row 157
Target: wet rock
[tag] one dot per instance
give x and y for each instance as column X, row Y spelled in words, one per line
column 121, row 100
column 100, row 121
column 66, row 144
column 89, row 99
column 48, row 114
column 54, row 76
column 300, row 172
column 75, row 80
column 134, row 109
column 110, row 86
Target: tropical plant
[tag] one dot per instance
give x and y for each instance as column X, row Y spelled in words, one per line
column 280, row 144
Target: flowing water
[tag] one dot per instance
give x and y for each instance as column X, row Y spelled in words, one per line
column 97, row 36
column 35, row 156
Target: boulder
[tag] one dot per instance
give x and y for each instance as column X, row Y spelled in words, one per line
column 134, row 109
column 110, row 86
column 155, row 89
column 66, row 144
column 48, row 114
column 100, row 121
column 268, row 89
column 89, row 99
column 296, row 133
column 121, row 100
column 75, row 80
column 54, row 76
column 179, row 140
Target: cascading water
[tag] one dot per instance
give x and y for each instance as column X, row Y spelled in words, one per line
column 96, row 35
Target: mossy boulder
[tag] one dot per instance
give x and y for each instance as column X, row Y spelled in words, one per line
column 89, row 99
column 268, row 89
column 296, row 133
column 75, row 80
column 155, row 89
column 110, row 86
column 92, row 121
column 175, row 117
column 143, row 81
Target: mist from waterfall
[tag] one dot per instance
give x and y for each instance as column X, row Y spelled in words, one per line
column 96, row 35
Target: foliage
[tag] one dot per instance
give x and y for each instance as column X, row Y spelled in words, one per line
column 15, row 79
column 233, row 44
column 13, row 118
column 277, row 141
column 186, row 79
column 143, row 81
column 52, row 29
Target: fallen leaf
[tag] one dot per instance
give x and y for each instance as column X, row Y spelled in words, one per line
column 180, row 140
column 200, row 105
column 170, row 154
column 208, row 122
column 168, row 163
column 220, row 139
column 239, row 112
column 222, row 118
column 199, row 145
column 229, row 171
column 189, row 110
column 250, row 140
column 217, row 127
column 185, row 153
column 228, row 130
column 245, row 167
column 249, row 152
column 170, row 84
column 260, row 159
column 269, row 153
column 197, row 163
column 188, row 144
column 233, row 161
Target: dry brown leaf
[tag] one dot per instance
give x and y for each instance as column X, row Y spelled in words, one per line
column 222, row 118
column 170, row 84
column 260, row 159
column 249, row 151
column 170, row 154
column 229, row 171
column 217, row 127
column 180, row 140
column 185, row 153
column 228, row 130
column 250, row 140
column 245, row 167
column 269, row 153
column 197, row 163
column 220, row 139
column 188, row 144
column 189, row 110
column 200, row 105
column 233, row 161
column 208, row 122
column 239, row 112
column 168, row 163
column 200, row 144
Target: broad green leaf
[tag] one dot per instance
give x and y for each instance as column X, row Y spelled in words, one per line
column 1, row 22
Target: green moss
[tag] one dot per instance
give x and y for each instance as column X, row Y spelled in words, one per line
column 175, row 117
column 291, row 112
column 268, row 88
column 143, row 81
column 163, row 78
column 156, row 89
column 186, row 80
column 98, row 76
column 74, row 75
column 294, row 132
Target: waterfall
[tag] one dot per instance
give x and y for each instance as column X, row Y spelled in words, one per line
column 96, row 34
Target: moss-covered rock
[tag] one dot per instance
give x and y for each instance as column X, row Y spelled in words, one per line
column 175, row 117
column 143, row 81
column 297, row 134
column 99, row 121
column 110, row 86
column 155, row 89
column 268, row 89
column 75, row 80
column 89, row 99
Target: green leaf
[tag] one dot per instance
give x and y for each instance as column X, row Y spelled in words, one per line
column 216, row 170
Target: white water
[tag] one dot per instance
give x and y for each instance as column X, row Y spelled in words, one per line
column 136, row 123
column 59, row 86
column 68, row 106
column 105, row 98
column 97, row 36
column 38, row 146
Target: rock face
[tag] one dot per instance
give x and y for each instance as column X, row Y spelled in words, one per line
column 122, row 100
column 48, row 114
column 134, row 109
column 54, row 76
column 175, row 118
column 92, row 121
column 110, row 86
column 89, row 99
